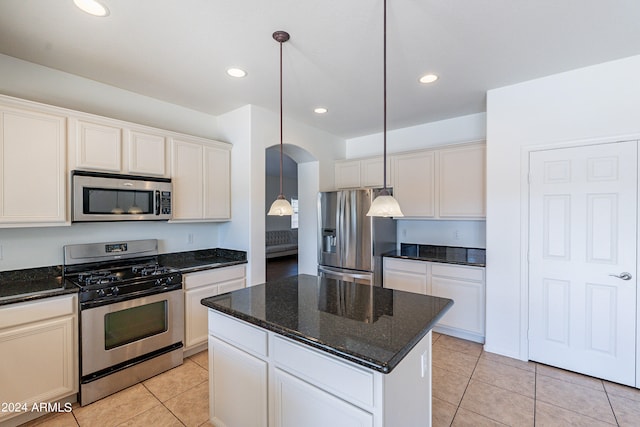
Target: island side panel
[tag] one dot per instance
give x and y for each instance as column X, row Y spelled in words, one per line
column 407, row 389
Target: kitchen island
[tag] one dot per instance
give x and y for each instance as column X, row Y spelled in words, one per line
column 307, row 351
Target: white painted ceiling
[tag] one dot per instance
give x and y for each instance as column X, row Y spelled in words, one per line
column 178, row 50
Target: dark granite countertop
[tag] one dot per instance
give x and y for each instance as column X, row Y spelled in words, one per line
column 43, row 282
column 33, row 283
column 446, row 254
column 205, row 259
column 369, row 325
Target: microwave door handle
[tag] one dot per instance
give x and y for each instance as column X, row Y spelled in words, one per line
column 157, row 197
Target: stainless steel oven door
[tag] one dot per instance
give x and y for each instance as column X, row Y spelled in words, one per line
column 122, row 331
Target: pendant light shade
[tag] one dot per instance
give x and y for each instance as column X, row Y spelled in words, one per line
column 385, row 205
column 281, row 206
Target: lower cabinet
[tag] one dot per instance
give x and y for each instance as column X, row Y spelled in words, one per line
column 465, row 285
column 406, row 275
column 203, row 284
column 259, row 378
column 38, row 344
column 238, row 390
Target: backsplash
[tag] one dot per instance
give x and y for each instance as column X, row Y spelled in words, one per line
column 469, row 234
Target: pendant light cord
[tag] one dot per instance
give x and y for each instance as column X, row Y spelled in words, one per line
column 281, row 127
column 384, row 86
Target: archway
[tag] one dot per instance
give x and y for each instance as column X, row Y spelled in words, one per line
column 291, row 242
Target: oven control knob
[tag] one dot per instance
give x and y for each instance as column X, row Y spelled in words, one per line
column 100, row 292
column 115, row 290
column 158, row 282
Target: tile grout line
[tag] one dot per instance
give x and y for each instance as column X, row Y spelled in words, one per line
column 613, row 411
column 467, row 386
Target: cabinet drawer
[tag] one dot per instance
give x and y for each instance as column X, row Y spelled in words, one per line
column 458, row 272
column 238, row 333
column 215, row 275
column 33, row 311
column 405, row 265
column 337, row 377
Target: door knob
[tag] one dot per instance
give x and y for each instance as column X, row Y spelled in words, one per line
column 624, row 276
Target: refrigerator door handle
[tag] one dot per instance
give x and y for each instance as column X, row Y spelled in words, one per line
column 344, row 274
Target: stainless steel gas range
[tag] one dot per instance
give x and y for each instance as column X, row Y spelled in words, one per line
column 131, row 314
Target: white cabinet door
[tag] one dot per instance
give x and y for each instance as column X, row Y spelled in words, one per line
column 32, row 168
column 298, row 403
column 467, row 313
column 147, row 154
column 347, row 174
column 201, row 176
column 217, row 183
column 39, row 348
column 188, row 180
column 461, row 181
column 372, row 172
column 204, row 284
column 406, row 275
column 195, row 323
column 237, row 388
column 98, row 146
column 414, row 183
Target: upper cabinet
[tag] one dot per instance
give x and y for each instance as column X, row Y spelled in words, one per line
column 32, row 167
column 461, row 177
column 201, row 176
column 360, row 173
column 105, row 145
column 446, row 183
column 414, row 183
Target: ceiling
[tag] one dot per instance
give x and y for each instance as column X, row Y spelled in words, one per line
column 178, row 50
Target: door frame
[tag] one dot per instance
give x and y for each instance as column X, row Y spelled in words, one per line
column 525, row 152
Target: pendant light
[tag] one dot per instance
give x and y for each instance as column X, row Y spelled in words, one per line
column 385, row 205
column 281, row 206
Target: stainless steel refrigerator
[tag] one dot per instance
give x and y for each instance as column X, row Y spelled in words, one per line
column 350, row 244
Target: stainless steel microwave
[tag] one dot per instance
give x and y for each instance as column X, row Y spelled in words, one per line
column 109, row 197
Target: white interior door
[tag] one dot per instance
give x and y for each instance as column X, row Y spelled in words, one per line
column 582, row 233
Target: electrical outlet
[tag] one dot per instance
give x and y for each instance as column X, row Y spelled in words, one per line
column 0, row 252
column 456, row 235
column 404, row 232
column 190, row 238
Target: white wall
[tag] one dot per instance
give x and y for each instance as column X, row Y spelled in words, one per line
column 308, row 178
column 452, row 131
column 468, row 234
column 593, row 103
column 40, row 247
column 34, row 82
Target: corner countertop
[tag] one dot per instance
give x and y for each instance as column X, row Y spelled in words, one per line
column 446, row 254
column 372, row 326
column 205, row 259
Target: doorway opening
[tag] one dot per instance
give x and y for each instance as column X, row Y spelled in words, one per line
column 281, row 232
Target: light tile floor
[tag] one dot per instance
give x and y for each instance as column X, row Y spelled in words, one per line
column 470, row 388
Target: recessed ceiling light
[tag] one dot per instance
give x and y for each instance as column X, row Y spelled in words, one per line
column 236, row 72
column 92, row 7
column 320, row 110
column 428, row 78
